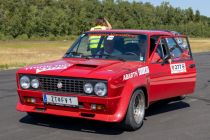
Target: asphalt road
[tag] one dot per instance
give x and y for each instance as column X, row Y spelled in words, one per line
column 188, row 119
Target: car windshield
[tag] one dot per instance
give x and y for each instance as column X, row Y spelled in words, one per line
column 110, row 46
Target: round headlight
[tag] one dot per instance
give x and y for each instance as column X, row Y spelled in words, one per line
column 35, row 83
column 100, row 89
column 25, row 82
column 88, row 88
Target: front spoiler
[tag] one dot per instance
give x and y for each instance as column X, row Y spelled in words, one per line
column 117, row 117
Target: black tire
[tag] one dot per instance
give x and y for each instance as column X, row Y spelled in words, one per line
column 130, row 123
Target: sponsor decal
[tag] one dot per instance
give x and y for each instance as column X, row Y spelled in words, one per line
column 113, row 34
column 178, row 68
column 143, row 70
column 110, row 37
column 138, row 72
column 42, row 68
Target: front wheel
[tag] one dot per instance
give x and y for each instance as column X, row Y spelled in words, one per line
column 136, row 111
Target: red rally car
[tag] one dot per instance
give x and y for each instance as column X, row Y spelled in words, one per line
column 110, row 75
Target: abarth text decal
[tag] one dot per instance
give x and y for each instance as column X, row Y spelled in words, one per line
column 138, row 72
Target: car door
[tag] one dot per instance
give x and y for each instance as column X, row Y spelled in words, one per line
column 182, row 67
column 175, row 77
column 160, row 75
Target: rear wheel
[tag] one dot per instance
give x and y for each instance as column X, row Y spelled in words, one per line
column 136, row 111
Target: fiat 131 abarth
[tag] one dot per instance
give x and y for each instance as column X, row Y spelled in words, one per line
column 110, row 76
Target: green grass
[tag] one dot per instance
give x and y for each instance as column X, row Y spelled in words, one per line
column 200, row 44
column 15, row 54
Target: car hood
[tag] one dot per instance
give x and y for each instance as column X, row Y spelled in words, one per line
column 84, row 68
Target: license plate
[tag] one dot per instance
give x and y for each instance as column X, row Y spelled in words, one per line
column 60, row 100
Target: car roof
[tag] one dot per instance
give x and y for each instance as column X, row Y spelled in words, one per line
column 133, row 31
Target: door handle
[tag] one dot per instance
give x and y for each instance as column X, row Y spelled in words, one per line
column 192, row 66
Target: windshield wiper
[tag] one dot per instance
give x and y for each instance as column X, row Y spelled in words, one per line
column 118, row 57
column 74, row 54
column 106, row 55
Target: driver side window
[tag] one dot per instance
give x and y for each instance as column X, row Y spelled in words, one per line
column 159, row 52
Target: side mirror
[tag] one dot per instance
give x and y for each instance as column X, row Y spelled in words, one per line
column 165, row 59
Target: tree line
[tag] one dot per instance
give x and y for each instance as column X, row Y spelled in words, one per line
column 43, row 18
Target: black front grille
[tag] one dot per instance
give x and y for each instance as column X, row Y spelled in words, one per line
column 69, row 85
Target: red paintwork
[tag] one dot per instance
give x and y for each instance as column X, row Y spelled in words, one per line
column 159, row 83
column 156, row 58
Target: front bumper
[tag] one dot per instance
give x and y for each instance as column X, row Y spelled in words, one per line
column 113, row 111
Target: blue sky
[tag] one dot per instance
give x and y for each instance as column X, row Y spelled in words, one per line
column 202, row 6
